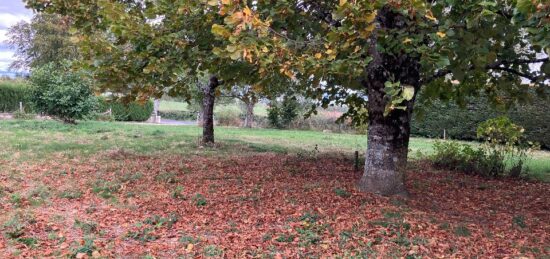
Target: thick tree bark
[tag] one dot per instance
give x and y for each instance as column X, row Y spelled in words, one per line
column 387, row 150
column 208, row 112
column 388, row 135
column 249, row 117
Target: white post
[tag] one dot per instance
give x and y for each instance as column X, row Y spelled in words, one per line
column 156, row 106
column 21, row 107
column 444, row 134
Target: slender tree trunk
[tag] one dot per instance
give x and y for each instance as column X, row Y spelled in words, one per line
column 249, row 118
column 388, row 135
column 200, row 116
column 208, row 113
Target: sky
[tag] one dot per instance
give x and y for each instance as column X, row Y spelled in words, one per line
column 11, row 12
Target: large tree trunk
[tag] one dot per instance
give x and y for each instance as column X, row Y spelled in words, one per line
column 387, row 150
column 249, row 117
column 208, row 112
column 388, row 135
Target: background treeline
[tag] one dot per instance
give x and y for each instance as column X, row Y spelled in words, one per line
column 461, row 122
column 458, row 122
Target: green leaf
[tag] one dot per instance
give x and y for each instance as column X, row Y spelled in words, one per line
column 408, row 92
column 220, row 30
column 546, row 68
column 524, row 6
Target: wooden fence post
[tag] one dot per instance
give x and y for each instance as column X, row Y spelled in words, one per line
column 356, row 161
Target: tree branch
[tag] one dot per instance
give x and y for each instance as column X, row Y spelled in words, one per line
column 498, row 66
column 525, row 61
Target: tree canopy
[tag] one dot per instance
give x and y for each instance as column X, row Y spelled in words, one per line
column 44, row 40
column 337, row 52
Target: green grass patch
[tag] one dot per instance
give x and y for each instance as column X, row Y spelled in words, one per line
column 44, row 140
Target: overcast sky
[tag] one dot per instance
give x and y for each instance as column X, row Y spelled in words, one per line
column 11, row 12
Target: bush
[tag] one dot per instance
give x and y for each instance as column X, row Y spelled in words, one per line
column 23, row 115
column 140, row 112
column 323, row 122
column 11, row 93
column 283, row 114
column 464, row 158
column 133, row 111
column 62, row 93
column 503, row 141
column 178, row 115
column 273, row 117
column 228, row 117
column 461, row 122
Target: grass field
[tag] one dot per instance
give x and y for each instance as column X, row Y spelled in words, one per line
column 30, row 140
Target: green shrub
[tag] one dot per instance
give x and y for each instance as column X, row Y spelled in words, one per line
column 140, row 112
column 281, row 115
column 60, row 92
column 273, row 117
column 23, row 115
column 11, row 93
column 464, row 158
column 503, row 142
column 178, row 115
column 504, row 139
column 228, row 117
column 133, row 111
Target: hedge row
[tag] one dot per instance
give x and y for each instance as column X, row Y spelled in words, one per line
column 178, row 115
column 13, row 92
column 461, row 123
column 133, row 111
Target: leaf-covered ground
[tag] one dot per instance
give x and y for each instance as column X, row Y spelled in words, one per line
column 118, row 204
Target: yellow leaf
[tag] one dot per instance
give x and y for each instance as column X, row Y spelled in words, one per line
column 189, row 248
column 213, row 2
column 247, row 11
column 430, row 16
column 370, row 18
column 220, row 30
column 343, row 2
column 370, row 28
column 441, row 34
column 235, row 55
column 318, row 56
column 226, row 2
column 329, row 51
column 407, row 40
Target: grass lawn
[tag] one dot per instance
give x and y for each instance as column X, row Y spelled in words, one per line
column 42, row 140
column 148, row 191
